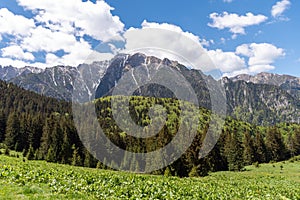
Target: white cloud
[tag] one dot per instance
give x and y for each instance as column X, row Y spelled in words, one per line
column 261, row 58
column 80, row 53
column 260, row 54
column 58, row 25
column 206, row 43
column 20, row 63
column 94, row 19
column 227, row 1
column 168, row 41
column 226, row 61
column 42, row 39
column 17, row 52
column 280, row 7
column 158, row 40
column 235, row 23
column 14, row 24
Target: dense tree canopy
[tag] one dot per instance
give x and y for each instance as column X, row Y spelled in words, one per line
column 43, row 128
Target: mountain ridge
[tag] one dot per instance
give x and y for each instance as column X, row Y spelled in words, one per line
column 263, row 98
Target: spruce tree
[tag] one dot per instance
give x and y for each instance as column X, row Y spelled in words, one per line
column 248, row 154
column 275, row 145
column 2, row 125
column 296, row 141
column 234, row 152
column 76, row 159
column 50, row 155
column 30, row 154
column 12, row 131
column 260, row 148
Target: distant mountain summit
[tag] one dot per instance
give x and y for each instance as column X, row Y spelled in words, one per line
column 58, row 81
column 9, row 72
column 261, row 99
column 288, row 83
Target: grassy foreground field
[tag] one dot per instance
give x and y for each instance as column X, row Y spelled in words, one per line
column 42, row 180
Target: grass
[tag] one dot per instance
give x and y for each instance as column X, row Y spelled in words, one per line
column 42, row 180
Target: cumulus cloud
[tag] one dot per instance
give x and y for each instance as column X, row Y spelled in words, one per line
column 234, row 22
column 206, row 43
column 168, row 41
column 81, row 52
column 94, row 19
column 42, row 39
column 260, row 54
column 17, row 25
column 159, row 40
column 261, row 58
column 280, row 7
column 58, row 26
column 226, row 61
column 20, row 63
column 17, row 52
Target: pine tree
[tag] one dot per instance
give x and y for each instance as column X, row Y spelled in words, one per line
column 46, row 137
column 260, row 148
column 30, row 154
column 12, row 131
column 290, row 144
column 88, row 159
column 168, row 171
column 76, row 159
column 66, row 149
column 234, row 152
column 275, row 145
column 249, row 152
column 25, row 128
column 36, row 130
column 2, row 125
column 296, row 141
column 50, row 155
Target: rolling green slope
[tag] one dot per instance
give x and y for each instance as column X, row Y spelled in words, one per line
column 42, row 180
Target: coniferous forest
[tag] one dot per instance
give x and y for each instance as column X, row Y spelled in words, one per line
column 43, row 129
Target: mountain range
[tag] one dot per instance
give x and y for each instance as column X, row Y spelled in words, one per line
column 261, row 99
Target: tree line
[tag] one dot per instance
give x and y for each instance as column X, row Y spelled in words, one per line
column 43, row 129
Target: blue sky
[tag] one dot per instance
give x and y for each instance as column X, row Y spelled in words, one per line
column 240, row 36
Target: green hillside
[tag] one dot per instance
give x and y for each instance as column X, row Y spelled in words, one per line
column 22, row 179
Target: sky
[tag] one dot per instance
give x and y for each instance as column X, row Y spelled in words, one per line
column 238, row 36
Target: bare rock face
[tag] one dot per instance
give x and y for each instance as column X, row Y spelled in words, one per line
column 288, row 83
column 261, row 99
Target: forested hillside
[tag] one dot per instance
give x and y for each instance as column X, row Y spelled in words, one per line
column 42, row 128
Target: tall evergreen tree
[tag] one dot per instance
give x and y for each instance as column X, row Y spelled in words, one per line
column 2, row 125
column 76, row 159
column 260, row 148
column 275, row 145
column 50, row 155
column 296, row 141
column 12, row 131
column 249, row 152
column 36, row 130
column 290, row 144
column 25, row 128
column 234, row 152
column 30, row 154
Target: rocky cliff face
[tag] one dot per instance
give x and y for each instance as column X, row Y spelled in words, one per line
column 9, row 72
column 262, row 99
column 260, row 103
column 288, row 83
column 58, row 81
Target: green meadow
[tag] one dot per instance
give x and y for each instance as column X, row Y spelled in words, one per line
column 22, row 179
